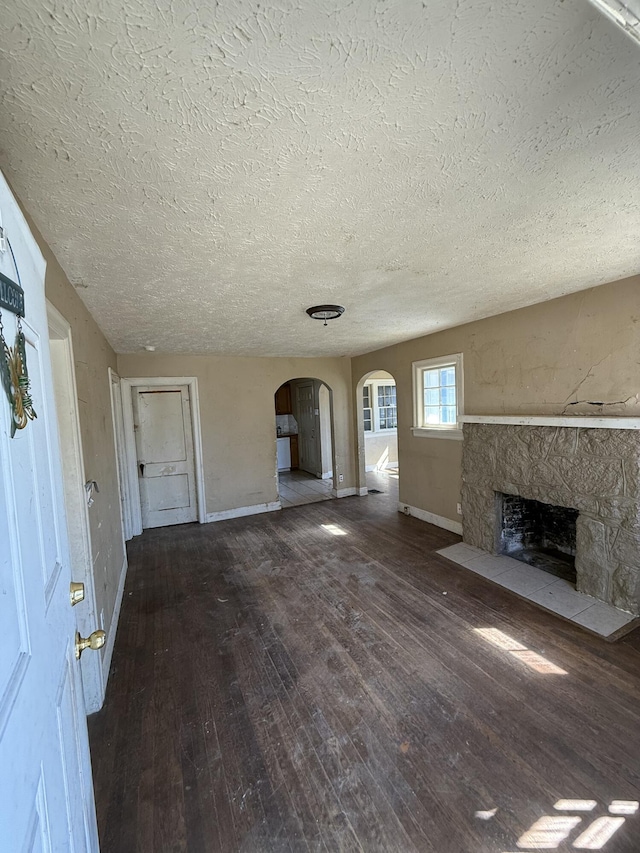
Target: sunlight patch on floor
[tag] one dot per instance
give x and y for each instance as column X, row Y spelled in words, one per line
column 334, row 528
column 549, row 831
column 624, row 806
column 596, row 836
column 532, row 659
column 575, row 805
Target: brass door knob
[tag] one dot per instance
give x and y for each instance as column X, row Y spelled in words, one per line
column 94, row 641
column 76, row 592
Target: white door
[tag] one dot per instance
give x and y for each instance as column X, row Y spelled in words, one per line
column 75, row 498
column 308, row 428
column 46, row 793
column 164, row 446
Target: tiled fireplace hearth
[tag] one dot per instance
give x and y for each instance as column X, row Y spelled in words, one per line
column 595, row 471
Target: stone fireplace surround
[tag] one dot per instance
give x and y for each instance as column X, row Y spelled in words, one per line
column 593, row 470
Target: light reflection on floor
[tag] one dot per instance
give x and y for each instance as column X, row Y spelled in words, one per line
column 335, row 529
column 532, row 659
column 550, row 831
column 547, row 832
column 575, row 805
column 596, row 836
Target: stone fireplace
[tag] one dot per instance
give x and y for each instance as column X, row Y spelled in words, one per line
column 591, row 479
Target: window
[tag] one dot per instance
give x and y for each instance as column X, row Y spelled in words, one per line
column 437, row 392
column 379, row 406
column 387, row 410
column 367, row 410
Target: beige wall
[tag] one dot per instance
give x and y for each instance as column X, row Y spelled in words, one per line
column 93, row 356
column 237, row 415
column 380, row 450
column 537, row 361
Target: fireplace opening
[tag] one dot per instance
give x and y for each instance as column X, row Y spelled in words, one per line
column 539, row 534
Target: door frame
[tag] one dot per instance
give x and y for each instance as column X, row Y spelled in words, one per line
column 75, row 498
column 361, row 468
column 117, row 417
column 317, row 382
column 131, row 494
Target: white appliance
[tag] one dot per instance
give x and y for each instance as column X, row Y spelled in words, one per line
column 284, row 454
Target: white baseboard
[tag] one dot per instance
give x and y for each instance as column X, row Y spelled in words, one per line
column 327, row 476
column 363, row 491
column 241, row 511
column 113, row 627
column 344, row 493
column 431, row 518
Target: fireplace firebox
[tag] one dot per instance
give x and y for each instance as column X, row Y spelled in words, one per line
column 537, row 533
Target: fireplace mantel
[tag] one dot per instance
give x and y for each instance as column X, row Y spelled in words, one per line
column 553, row 421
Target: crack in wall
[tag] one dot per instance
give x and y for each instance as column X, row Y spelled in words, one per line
column 599, row 403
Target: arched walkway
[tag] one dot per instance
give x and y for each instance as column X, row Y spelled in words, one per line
column 305, row 456
column 377, row 433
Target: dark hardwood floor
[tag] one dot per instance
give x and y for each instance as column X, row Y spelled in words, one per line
column 278, row 686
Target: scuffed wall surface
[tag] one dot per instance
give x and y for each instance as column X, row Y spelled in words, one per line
column 238, row 419
column 93, row 357
column 207, row 171
column 577, row 355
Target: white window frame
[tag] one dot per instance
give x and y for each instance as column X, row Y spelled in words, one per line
column 451, row 431
column 374, row 384
column 368, row 388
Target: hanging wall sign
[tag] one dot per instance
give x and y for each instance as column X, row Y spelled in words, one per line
column 11, row 296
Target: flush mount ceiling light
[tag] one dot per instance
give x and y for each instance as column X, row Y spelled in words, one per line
column 325, row 312
column 624, row 13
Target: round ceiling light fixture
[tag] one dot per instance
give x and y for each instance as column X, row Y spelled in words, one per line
column 325, row 312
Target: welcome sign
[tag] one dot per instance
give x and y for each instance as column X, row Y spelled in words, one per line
column 11, row 296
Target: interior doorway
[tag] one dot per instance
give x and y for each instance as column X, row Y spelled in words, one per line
column 304, row 441
column 377, row 431
column 76, row 498
column 163, row 450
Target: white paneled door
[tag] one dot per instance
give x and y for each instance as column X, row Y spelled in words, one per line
column 308, row 428
column 164, row 447
column 46, row 793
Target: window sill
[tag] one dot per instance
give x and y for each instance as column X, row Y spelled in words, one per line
column 392, row 431
column 424, row 432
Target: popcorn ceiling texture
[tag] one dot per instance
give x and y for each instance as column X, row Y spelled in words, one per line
column 205, row 171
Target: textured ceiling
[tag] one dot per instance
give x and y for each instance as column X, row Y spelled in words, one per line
column 205, row 171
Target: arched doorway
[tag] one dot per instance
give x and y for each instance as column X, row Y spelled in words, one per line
column 377, row 433
column 304, row 441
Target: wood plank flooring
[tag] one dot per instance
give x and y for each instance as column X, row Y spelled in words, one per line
column 314, row 680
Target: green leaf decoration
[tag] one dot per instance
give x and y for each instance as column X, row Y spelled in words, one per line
column 15, row 381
